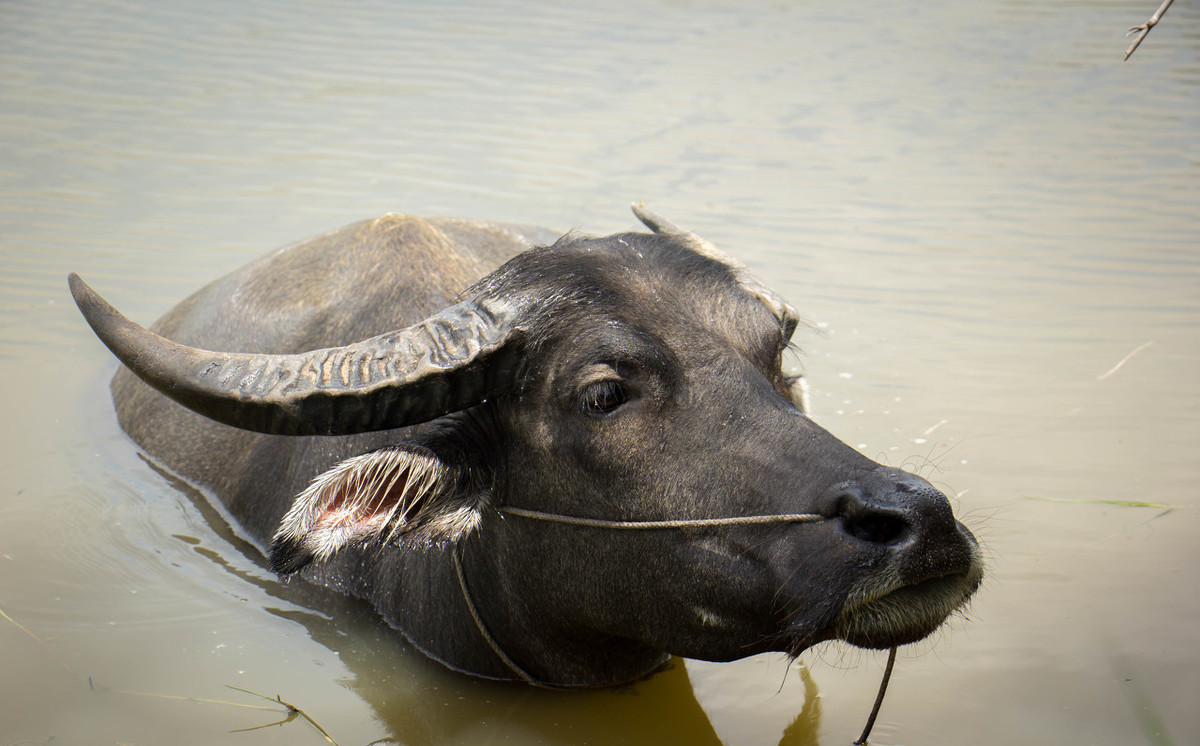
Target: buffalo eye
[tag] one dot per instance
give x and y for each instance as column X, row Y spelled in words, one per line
column 603, row 397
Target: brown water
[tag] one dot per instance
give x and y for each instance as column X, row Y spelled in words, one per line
column 978, row 206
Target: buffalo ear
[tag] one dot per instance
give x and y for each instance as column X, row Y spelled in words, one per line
column 382, row 495
column 797, row 386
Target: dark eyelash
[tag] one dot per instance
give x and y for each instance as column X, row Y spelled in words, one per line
column 603, row 397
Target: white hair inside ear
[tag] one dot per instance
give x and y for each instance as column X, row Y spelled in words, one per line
column 383, row 494
column 798, row 392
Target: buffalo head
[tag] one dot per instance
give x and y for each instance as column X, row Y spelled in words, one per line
column 590, row 461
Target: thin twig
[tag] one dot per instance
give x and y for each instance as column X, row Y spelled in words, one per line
column 887, row 675
column 1138, row 525
column 287, row 719
column 185, row 698
column 1145, row 27
column 42, row 643
column 1124, row 360
column 292, row 710
column 22, row 627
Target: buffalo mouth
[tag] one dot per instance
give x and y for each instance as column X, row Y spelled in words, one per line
column 885, row 614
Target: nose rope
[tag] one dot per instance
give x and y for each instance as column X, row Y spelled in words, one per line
column 740, row 520
column 483, row 630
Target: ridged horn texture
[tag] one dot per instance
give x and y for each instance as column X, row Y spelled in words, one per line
column 787, row 315
column 446, row 363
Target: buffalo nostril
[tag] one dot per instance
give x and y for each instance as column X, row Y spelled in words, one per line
column 876, row 528
column 871, row 521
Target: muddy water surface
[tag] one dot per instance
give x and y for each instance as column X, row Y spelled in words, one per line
column 979, row 208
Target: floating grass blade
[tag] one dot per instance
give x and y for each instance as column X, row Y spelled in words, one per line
column 1098, row 501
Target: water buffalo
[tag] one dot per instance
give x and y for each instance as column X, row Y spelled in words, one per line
column 559, row 461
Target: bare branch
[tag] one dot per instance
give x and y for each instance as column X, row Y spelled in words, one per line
column 292, row 711
column 1145, row 27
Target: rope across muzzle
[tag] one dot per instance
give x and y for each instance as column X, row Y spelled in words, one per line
column 741, row 520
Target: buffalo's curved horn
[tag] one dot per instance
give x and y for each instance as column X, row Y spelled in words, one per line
column 447, row 362
column 787, row 315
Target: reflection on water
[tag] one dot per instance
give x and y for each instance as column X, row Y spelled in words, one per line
column 978, row 207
